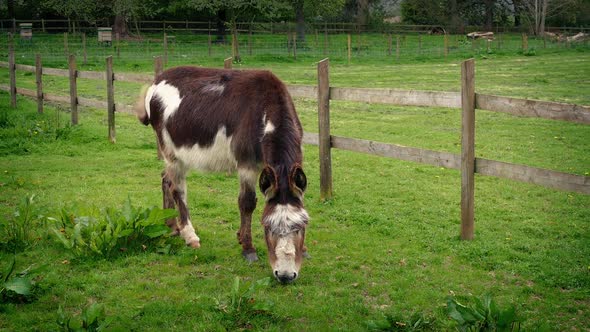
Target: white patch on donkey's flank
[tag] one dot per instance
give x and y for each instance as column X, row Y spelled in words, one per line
column 215, row 88
column 217, row 157
column 169, row 97
column 285, row 218
column 269, row 128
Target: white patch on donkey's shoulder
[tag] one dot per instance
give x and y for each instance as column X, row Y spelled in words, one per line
column 285, row 218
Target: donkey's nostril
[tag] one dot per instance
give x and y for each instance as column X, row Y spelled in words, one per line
column 294, row 275
column 276, row 273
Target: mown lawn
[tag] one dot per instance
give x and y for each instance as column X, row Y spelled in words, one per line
column 386, row 245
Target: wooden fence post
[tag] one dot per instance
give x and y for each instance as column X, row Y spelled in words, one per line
column 117, row 40
column 209, row 43
column 39, row 82
column 12, row 70
column 158, row 69
column 349, row 45
column 397, row 50
column 66, row 50
column 165, row 48
column 250, row 41
column 325, row 144
column 446, row 45
column 294, row 45
column 420, row 44
column 326, row 39
column 84, row 48
column 111, row 99
column 467, row 149
column 73, row 88
column 525, row 42
column 158, row 66
column 389, row 44
column 227, row 63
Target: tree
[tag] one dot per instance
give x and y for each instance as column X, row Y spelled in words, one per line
column 537, row 11
column 93, row 11
column 317, row 10
column 423, row 11
column 229, row 11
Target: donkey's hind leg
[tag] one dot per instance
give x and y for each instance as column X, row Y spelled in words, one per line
column 169, row 202
column 247, row 204
column 176, row 173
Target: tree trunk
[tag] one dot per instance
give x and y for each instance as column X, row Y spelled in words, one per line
column 300, row 18
column 221, row 20
column 517, row 12
column 455, row 21
column 541, row 31
column 362, row 12
column 489, row 14
column 235, row 45
column 10, row 4
column 120, row 26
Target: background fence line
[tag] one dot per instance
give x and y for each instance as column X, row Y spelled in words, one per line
column 67, row 25
column 468, row 100
column 345, row 46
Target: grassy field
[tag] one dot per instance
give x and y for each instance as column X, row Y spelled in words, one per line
column 384, row 251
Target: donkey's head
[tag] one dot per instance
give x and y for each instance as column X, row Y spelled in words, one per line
column 284, row 219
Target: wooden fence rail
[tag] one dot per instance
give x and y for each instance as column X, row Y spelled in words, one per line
column 467, row 99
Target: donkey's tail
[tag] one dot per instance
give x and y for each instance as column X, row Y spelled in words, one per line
column 139, row 108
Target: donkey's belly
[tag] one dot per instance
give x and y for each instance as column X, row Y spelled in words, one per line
column 216, row 157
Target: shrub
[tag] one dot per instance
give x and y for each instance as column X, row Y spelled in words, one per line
column 114, row 231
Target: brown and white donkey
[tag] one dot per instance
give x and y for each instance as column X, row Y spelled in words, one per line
column 228, row 120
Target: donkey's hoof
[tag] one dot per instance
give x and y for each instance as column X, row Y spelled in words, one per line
column 195, row 244
column 251, row 257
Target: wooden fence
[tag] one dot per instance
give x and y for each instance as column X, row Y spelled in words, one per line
column 468, row 100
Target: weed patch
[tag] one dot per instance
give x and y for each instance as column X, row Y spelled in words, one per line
column 92, row 319
column 482, row 314
column 115, row 231
column 243, row 310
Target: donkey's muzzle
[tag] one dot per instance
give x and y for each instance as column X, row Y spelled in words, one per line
column 285, row 277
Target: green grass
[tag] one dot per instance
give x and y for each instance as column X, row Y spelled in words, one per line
column 386, row 246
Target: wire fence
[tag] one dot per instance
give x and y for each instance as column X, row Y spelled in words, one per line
column 187, row 47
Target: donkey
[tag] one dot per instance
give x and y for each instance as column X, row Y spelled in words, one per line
column 227, row 120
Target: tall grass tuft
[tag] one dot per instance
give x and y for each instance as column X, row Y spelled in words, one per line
column 20, row 231
column 243, row 310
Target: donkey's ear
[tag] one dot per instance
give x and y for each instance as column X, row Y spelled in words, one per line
column 268, row 181
column 297, row 179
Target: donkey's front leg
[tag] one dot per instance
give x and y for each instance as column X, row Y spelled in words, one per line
column 247, row 204
column 177, row 174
